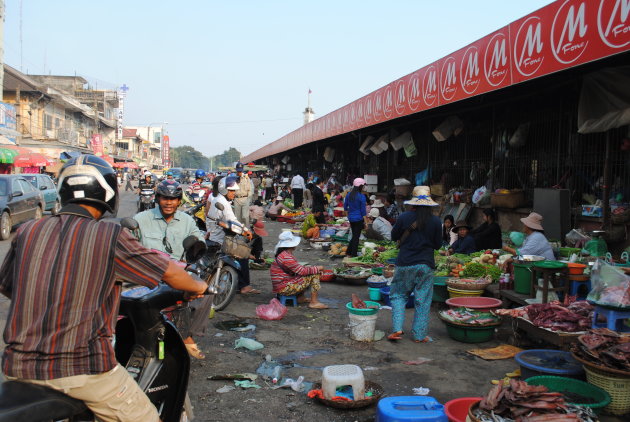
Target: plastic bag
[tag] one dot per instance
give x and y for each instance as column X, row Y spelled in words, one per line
column 611, row 287
column 248, row 343
column 576, row 239
column 273, row 311
column 479, row 194
column 423, row 176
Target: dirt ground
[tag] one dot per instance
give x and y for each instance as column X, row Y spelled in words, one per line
column 452, row 373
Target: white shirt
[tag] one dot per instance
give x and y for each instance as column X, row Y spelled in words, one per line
column 297, row 182
column 382, row 227
column 215, row 215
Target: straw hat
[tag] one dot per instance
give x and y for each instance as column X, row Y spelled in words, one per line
column 421, row 195
column 259, row 228
column 287, row 240
column 459, row 225
column 377, row 204
column 533, row 221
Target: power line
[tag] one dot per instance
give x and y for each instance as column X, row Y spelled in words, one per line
column 228, row 122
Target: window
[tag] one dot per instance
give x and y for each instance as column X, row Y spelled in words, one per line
column 26, row 186
column 157, row 137
column 32, row 180
column 17, row 189
column 48, row 121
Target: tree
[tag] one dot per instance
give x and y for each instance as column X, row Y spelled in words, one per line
column 189, row 158
column 227, row 158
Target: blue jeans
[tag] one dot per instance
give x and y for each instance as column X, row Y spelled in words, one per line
column 419, row 280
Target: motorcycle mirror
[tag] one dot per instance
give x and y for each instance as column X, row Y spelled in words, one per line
column 129, row 223
column 193, row 248
column 219, row 206
column 189, row 242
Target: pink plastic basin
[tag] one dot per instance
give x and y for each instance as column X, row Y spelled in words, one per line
column 456, row 410
column 476, row 302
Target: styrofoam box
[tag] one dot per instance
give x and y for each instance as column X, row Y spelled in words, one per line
column 371, row 179
column 371, row 188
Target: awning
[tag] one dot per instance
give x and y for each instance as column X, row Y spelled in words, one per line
column 7, row 155
column 32, row 160
column 125, row 164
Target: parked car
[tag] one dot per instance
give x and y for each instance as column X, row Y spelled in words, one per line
column 19, row 202
column 46, row 185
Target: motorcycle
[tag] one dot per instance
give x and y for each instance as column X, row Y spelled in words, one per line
column 147, row 344
column 146, row 200
column 198, row 213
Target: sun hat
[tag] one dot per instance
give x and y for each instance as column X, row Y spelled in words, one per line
column 378, row 204
column 287, row 240
column 374, row 213
column 358, row 182
column 533, row 221
column 421, row 195
column 372, row 197
column 459, row 225
column 279, row 198
column 259, row 228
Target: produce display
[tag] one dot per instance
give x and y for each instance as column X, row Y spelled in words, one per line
column 478, row 270
column 475, row 265
column 309, row 223
column 605, row 347
column 352, row 272
column 468, row 316
column 338, row 249
column 522, row 402
column 576, row 317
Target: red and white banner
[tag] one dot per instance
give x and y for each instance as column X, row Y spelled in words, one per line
column 97, row 144
column 562, row 35
column 166, row 152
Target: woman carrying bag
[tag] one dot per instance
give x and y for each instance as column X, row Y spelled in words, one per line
column 419, row 233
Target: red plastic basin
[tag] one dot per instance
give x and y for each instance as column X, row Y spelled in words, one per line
column 457, row 410
column 474, row 302
column 327, row 275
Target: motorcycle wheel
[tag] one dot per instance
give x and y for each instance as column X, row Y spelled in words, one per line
column 227, row 285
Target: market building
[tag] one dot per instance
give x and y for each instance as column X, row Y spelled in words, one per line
column 538, row 108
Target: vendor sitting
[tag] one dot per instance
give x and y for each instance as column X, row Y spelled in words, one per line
column 465, row 243
column 290, row 278
column 276, row 208
column 378, row 228
column 535, row 241
column 488, row 235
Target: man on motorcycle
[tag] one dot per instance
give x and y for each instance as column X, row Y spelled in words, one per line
column 197, row 193
column 63, row 274
column 164, row 229
column 146, row 187
column 225, row 192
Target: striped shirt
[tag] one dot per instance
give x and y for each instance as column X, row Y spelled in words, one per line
column 286, row 269
column 63, row 276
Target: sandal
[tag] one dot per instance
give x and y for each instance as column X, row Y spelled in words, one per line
column 398, row 335
column 250, row 292
column 427, row 339
column 194, row 351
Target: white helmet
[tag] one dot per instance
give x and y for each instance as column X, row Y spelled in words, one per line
column 226, row 184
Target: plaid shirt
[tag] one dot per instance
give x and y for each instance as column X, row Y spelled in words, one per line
column 392, row 212
column 63, row 275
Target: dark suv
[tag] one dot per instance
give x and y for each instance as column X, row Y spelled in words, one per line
column 19, row 202
column 45, row 184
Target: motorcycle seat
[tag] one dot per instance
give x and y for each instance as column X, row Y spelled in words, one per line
column 21, row 401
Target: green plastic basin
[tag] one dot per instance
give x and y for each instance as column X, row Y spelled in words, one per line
column 366, row 311
column 469, row 334
column 552, row 265
column 574, row 388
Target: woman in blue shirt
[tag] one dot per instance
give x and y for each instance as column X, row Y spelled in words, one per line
column 354, row 204
column 465, row 243
column 420, row 234
column 535, row 243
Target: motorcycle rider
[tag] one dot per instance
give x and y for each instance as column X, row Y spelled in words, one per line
column 63, row 274
column 145, row 184
column 224, row 190
column 164, row 229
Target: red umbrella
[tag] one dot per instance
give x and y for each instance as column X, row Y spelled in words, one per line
column 32, row 159
column 109, row 159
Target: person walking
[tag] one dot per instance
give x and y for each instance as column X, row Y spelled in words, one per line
column 128, row 186
column 297, row 190
column 355, row 205
column 319, row 201
column 243, row 196
column 419, row 233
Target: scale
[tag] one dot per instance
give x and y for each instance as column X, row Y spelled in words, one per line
column 597, row 245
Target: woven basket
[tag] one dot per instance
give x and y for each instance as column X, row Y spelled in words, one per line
column 617, row 387
column 459, row 284
column 620, row 218
column 514, row 199
column 236, row 247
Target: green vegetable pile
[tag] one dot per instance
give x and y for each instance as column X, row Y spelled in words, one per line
column 388, row 254
column 288, row 202
column 309, row 223
column 477, row 270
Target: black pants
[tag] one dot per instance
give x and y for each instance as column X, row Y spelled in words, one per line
column 298, row 195
column 320, row 218
column 356, row 228
column 243, row 280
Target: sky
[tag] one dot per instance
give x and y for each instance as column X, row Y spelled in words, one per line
column 236, row 73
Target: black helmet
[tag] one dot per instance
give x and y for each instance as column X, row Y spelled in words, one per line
column 88, row 179
column 169, row 188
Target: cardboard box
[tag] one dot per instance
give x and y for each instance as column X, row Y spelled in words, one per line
column 438, row 189
column 371, row 188
column 592, row 211
column 370, row 179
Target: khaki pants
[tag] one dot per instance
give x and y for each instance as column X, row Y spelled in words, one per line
column 241, row 210
column 112, row 396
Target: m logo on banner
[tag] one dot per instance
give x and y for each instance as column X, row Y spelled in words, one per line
column 448, row 79
column 568, row 36
column 611, row 22
column 495, row 60
column 429, row 86
column 469, row 71
column 528, row 47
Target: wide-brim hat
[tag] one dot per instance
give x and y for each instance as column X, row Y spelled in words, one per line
column 378, row 204
column 259, row 228
column 421, row 196
column 374, row 213
column 533, row 221
column 459, row 225
column 287, row 240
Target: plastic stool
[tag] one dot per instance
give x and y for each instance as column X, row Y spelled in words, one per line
column 339, row 375
column 284, row 299
column 614, row 318
column 575, row 287
column 410, row 409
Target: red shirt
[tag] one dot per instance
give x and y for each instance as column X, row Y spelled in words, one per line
column 286, row 269
column 63, row 275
